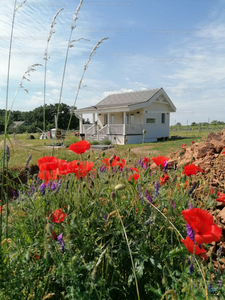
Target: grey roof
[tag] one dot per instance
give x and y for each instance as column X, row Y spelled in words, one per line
column 127, row 99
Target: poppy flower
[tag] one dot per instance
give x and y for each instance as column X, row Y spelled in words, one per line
column 58, row 216
column 117, row 158
column 201, row 221
column 48, row 175
column 111, row 162
column 164, row 179
column 192, row 248
column 135, row 170
column 160, row 160
column 80, row 168
column 48, row 163
column 192, row 170
column 192, row 142
column 211, row 191
column 123, row 162
column 147, row 159
column 80, row 147
column 221, row 197
column 185, row 144
column 134, row 176
column 36, row 256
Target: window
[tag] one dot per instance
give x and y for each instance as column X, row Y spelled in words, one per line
column 150, row 120
column 112, row 119
column 132, row 119
column 163, row 118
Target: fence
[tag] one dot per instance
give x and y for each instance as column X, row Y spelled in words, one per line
column 195, row 131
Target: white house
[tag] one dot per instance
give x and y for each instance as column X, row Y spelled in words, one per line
column 122, row 118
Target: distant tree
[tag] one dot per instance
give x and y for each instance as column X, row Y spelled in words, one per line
column 193, row 124
column 178, row 124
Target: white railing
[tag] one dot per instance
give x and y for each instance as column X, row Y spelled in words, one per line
column 90, row 131
column 85, row 127
column 134, row 129
column 104, row 130
column 116, row 129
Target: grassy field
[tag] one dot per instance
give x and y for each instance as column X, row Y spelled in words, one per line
column 21, row 147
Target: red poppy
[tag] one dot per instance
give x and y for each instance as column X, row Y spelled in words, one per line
column 80, row 168
column 48, row 163
column 211, row 191
column 201, row 221
column 147, row 159
column 221, row 197
column 191, row 170
column 135, row 169
column 117, row 158
column 164, row 179
column 160, row 160
column 192, row 142
column 134, row 176
column 192, row 248
column 111, row 162
column 185, row 144
column 80, row 147
column 36, row 256
column 48, row 175
column 57, row 216
column 182, row 146
column 123, row 162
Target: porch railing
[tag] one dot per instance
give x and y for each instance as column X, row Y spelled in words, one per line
column 90, row 131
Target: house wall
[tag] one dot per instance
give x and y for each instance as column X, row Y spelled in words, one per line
column 157, row 129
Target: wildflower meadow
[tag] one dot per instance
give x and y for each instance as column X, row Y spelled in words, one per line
column 103, row 227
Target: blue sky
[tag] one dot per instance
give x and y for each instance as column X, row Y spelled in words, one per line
column 175, row 44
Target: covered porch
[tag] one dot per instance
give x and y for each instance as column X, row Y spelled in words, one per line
column 112, row 125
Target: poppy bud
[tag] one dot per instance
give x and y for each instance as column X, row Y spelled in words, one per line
column 103, row 154
column 111, row 160
column 120, row 187
column 113, row 196
column 88, row 156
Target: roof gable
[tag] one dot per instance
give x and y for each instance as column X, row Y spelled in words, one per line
column 126, row 99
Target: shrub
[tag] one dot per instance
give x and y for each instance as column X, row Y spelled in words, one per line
column 107, row 142
column 95, row 143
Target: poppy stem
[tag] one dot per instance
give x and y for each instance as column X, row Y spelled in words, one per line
column 203, row 276
column 125, row 234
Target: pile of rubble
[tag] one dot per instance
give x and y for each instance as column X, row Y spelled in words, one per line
column 208, row 155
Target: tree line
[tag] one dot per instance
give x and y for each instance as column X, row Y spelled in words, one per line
column 34, row 119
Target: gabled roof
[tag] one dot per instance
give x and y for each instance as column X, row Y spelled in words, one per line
column 128, row 99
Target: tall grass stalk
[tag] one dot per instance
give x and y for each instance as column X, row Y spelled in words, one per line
column 46, row 58
column 131, row 257
column 70, row 45
column 6, row 109
column 93, row 51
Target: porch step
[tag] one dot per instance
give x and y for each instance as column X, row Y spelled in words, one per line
column 94, row 137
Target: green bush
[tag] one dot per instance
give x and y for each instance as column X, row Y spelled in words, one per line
column 107, row 142
column 95, row 143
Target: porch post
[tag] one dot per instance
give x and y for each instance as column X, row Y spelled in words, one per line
column 108, row 122
column 94, row 121
column 124, row 123
column 81, row 127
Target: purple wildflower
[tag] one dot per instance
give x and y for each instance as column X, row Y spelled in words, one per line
column 7, row 153
column 190, row 205
column 14, row 195
column 54, row 186
column 148, row 196
column 103, row 169
column 61, row 241
column 220, row 282
column 165, row 166
column 139, row 161
column 42, row 188
column 192, row 189
column 145, row 165
column 191, row 268
column 28, row 160
column 173, row 204
column 190, row 232
column 104, row 217
column 156, row 189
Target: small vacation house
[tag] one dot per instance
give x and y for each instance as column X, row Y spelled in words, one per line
column 122, row 118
